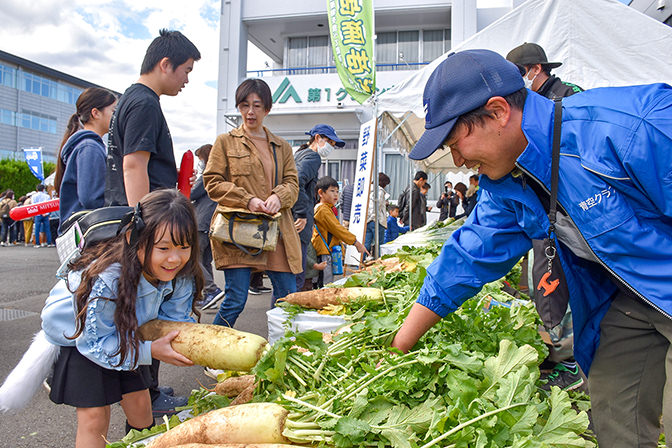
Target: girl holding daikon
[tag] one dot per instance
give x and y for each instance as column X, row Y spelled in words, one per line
column 150, row 270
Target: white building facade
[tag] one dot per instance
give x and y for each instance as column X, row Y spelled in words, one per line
column 306, row 88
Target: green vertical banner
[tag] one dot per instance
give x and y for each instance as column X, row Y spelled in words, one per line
column 351, row 31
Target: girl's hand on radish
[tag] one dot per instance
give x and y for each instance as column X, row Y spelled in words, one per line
column 163, row 351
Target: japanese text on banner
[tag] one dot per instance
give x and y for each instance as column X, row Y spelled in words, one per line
column 351, row 32
column 362, row 187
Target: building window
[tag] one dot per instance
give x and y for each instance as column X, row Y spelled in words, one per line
column 68, row 94
column 7, row 117
column 334, row 169
column 39, row 85
column 37, row 121
column 311, row 51
column 403, row 50
column 433, row 44
column 395, row 50
column 48, row 88
column 7, row 76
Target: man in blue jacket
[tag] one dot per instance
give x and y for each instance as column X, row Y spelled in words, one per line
column 614, row 223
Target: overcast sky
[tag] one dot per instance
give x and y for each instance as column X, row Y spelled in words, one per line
column 104, row 42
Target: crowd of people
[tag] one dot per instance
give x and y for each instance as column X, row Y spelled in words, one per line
column 615, row 257
column 38, row 231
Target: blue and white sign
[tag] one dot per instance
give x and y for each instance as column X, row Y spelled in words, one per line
column 34, row 161
column 362, row 187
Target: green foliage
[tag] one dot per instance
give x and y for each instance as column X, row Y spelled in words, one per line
column 16, row 175
column 471, row 381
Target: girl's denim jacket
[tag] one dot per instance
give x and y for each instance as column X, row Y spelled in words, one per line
column 100, row 338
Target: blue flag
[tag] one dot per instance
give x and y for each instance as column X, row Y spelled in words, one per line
column 34, row 161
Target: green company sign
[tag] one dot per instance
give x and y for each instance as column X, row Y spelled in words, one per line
column 315, row 94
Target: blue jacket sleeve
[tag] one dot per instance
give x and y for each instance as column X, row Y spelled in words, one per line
column 484, row 249
column 91, row 166
column 100, row 338
column 178, row 307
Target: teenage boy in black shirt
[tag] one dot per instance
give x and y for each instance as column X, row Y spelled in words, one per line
column 140, row 150
column 140, row 155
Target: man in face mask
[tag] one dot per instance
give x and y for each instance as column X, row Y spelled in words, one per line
column 536, row 71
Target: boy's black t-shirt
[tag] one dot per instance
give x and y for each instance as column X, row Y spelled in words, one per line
column 138, row 124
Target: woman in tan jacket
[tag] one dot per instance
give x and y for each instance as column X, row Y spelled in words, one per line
column 253, row 169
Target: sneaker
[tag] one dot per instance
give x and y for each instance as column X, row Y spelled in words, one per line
column 211, row 299
column 166, row 390
column 165, row 404
column 564, row 378
column 256, row 290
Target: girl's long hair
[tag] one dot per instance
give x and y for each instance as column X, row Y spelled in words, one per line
column 160, row 211
column 93, row 97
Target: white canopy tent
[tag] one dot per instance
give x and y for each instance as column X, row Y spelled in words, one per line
column 600, row 43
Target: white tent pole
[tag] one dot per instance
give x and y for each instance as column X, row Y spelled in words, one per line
column 376, row 170
column 410, row 197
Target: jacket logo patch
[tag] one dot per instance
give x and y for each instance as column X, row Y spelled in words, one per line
column 597, row 199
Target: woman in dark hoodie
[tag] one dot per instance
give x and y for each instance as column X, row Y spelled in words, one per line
column 80, row 172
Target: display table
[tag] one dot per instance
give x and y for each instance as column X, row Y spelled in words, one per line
column 308, row 320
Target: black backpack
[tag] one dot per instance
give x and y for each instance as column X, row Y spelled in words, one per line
column 86, row 227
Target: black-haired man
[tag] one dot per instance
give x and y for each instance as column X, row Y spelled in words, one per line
column 418, row 208
column 140, row 149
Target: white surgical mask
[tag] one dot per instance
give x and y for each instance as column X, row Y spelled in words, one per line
column 325, row 150
column 528, row 82
column 200, row 167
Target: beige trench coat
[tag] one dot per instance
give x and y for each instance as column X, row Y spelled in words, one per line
column 233, row 176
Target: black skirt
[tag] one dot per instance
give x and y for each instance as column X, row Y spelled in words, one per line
column 79, row 382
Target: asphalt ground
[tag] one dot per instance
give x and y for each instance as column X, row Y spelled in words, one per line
column 26, row 276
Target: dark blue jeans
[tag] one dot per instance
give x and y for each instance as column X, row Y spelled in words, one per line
column 42, row 226
column 9, row 227
column 370, row 238
column 237, row 284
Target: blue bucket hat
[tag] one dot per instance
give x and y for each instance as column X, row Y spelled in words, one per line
column 464, row 81
column 327, row 131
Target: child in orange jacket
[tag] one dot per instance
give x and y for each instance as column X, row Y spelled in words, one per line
column 327, row 231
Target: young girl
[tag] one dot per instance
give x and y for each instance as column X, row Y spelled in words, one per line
column 80, row 171
column 150, row 270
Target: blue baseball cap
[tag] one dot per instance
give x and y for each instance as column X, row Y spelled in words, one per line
column 464, row 81
column 327, row 131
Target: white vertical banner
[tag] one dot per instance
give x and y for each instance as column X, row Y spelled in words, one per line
column 362, row 187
